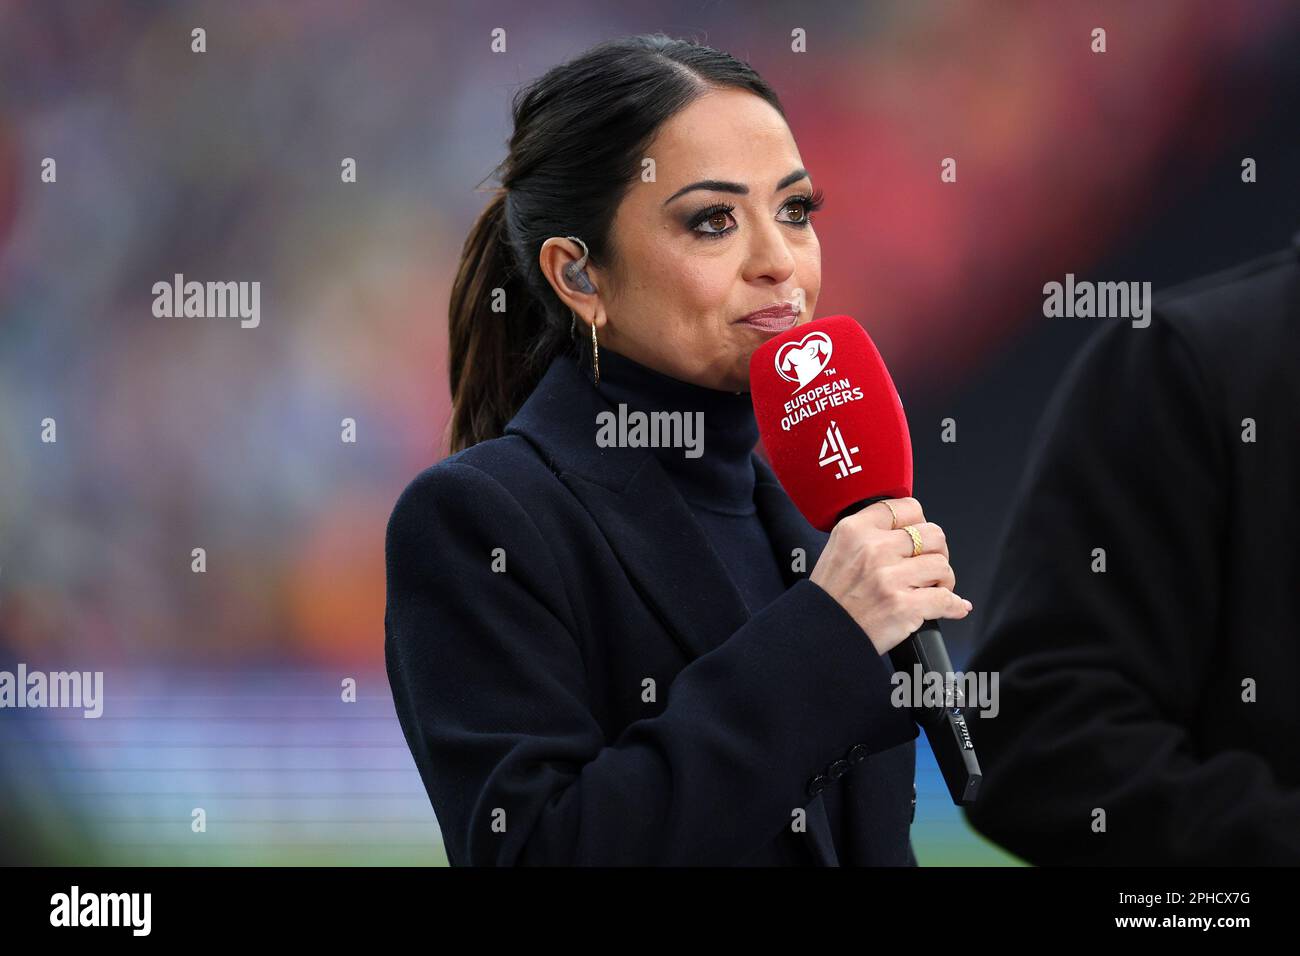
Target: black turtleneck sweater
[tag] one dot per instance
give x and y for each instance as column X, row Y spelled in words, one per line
column 718, row 486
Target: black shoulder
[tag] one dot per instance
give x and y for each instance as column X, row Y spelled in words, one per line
column 1205, row 292
column 500, row 477
column 1244, row 316
column 471, row 499
column 491, row 467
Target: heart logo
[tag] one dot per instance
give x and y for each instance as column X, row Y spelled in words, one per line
column 802, row 361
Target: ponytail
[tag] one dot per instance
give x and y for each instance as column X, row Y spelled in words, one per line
column 490, row 371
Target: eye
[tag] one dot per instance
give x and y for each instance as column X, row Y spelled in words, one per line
column 805, row 204
column 715, row 217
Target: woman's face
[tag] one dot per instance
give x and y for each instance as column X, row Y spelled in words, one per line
column 688, row 267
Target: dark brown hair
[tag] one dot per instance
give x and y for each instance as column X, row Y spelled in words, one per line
column 580, row 133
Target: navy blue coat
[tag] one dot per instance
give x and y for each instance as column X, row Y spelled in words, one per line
column 580, row 682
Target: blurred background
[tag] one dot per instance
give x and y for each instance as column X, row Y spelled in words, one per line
column 224, row 688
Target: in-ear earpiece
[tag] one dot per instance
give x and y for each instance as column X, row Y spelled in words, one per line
column 575, row 273
column 577, row 278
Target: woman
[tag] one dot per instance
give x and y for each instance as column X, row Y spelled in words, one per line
column 615, row 654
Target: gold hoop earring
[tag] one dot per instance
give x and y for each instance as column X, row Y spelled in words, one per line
column 595, row 349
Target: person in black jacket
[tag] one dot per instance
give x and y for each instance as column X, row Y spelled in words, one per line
column 605, row 653
column 1143, row 614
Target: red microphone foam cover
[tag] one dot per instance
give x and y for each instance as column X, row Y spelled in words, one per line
column 830, row 418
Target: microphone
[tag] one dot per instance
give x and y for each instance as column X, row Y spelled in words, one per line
column 833, row 427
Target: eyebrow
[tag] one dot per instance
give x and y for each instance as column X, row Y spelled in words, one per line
column 722, row 186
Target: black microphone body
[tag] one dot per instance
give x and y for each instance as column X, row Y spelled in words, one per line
column 944, row 726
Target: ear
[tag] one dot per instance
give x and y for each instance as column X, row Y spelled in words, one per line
column 556, row 253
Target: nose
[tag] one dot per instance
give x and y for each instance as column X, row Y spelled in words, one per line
column 769, row 254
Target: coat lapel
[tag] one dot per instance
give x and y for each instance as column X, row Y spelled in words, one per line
column 651, row 529
column 787, row 528
column 667, row 555
column 648, row 524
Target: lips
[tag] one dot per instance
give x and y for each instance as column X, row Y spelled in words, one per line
column 774, row 318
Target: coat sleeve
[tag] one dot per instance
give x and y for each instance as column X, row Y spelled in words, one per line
column 491, row 690
column 1100, row 672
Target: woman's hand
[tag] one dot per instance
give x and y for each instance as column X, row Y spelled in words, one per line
column 870, row 571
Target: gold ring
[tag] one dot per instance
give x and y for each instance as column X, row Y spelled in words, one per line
column 893, row 523
column 916, row 539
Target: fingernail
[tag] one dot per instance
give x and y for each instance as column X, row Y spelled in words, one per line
column 969, row 606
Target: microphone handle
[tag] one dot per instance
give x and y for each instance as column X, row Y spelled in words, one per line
column 945, row 727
